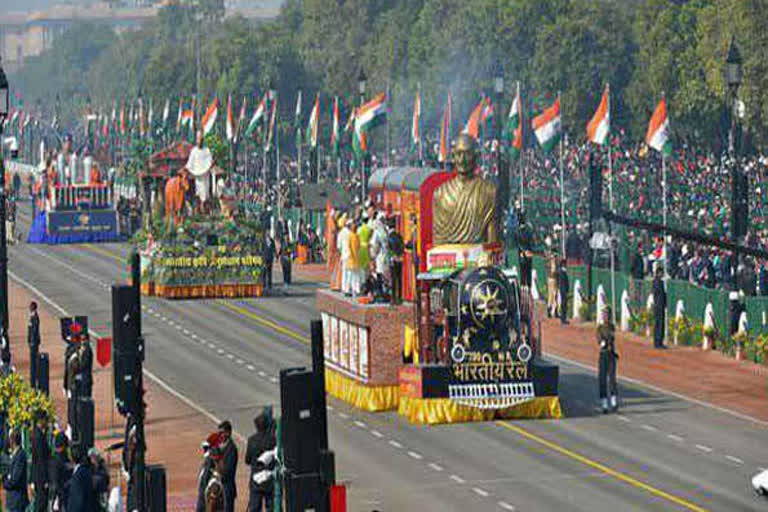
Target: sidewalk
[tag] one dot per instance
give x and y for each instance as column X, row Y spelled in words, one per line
column 174, row 430
column 711, row 377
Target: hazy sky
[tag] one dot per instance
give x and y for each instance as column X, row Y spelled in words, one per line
column 33, row 5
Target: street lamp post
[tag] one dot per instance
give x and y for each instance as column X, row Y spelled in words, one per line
column 361, row 80
column 4, row 108
column 501, row 170
column 733, row 75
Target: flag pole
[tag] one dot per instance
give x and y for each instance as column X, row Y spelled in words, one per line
column 610, row 205
column 421, row 142
column 562, row 192
column 277, row 164
column 522, row 149
column 389, row 131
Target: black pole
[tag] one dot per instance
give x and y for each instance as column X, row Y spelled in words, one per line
column 3, row 244
column 139, row 486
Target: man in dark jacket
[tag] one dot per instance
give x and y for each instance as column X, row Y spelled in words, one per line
column 269, row 259
column 659, row 309
column 99, row 477
column 15, row 482
column 563, row 285
column 259, row 455
column 60, row 472
column 33, row 340
column 41, row 455
column 228, row 465
column 81, row 495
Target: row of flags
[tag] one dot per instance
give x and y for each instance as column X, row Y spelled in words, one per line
column 546, row 127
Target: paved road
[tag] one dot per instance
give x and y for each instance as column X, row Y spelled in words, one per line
column 660, row 453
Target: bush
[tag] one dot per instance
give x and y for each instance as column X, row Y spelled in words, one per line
column 689, row 332
column 22, row 403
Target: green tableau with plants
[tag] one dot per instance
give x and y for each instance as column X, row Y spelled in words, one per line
column 206, row 256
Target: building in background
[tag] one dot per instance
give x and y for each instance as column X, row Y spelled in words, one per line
column 24, row 35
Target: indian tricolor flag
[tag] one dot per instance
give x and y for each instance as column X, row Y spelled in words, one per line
column 482, row 111
column 445, row 132
column 314, row 123
column 209, row 118
column 258, row 115
column 658, row 129
column 548, row 127
column 371, row 114
column 335, row 128
column 600, row 125
column 515, row 125
column 416, row 122
column 230, row 120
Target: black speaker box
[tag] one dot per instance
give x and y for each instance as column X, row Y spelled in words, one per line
column 305, row 492
column 156, row 488
column 301, row 421
column 125, row 318
column 44, row 373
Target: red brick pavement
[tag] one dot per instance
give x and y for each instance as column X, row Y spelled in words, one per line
column 174, row 429
column 740, row 386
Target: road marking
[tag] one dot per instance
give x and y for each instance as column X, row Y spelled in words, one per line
column 704, row 448
column 263, row 374
column 376, row 433
column 240, row 362
column 220, row 351
column 480, row 492
column 601, row 467
column 265, row 322
column 344, row 415
column 273, row 380
column 193, row 336
column 415, row 455
column 395, row 444
column 178, row 327
column 251, row 368
column 457, row 479
column 436, row 467
column 194, row 405
column 734, row 459
column 657, row 389
column 163, row 318
column 623, row 418
column 186, row 332
column 506, row 506
column 360, row 424
column 329, row 407
column 649, row 428
column 230, row 356
column 675, row 438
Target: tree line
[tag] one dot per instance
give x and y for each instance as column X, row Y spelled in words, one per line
column 572, row 47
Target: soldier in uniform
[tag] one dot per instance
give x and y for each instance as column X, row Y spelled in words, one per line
column 606, row 339
column 563, row 285
column 552, row 283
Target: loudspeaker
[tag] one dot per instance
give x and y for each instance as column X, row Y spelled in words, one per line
column 125, row 318
column 126, row 386
column 305, row 492
column 301, row 425
column 327, row 468
column 155, row 488
column 84, row 434
column 44, row 373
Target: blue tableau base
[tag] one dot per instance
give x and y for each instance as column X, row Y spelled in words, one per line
column 38, row 235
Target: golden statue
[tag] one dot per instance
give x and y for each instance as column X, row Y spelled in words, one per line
column 464, row 208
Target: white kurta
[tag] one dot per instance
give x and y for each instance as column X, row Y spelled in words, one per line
column 342, row 244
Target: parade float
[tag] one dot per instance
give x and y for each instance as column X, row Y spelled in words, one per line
column 198, row 243
column 461, row 347
column 79, row 209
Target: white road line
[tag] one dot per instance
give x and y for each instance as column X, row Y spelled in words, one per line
column 675, row 438
column 262, row 373
column 457, row 479
column 506, row 506
column 251, row 368
column 734, row 459
column 163, row 318
column 329, row 407
column 273, row 380
column 657, row 389
column 649, row 428
column 230, row 356
column 704, row 448
column 376, row 433
column 157, row 380
column 220, row 351
column 480, row 492
column 415, row 455
column 360, row 424
column 186, row 332
column 395, row 444
column 623, row 418
column 436, row 467
column 240, row 362
column 344, row 415
column 178, row 327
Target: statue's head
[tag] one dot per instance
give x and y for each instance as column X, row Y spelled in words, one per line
column 465, row 155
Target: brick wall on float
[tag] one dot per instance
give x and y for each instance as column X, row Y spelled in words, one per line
column 380, row 341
